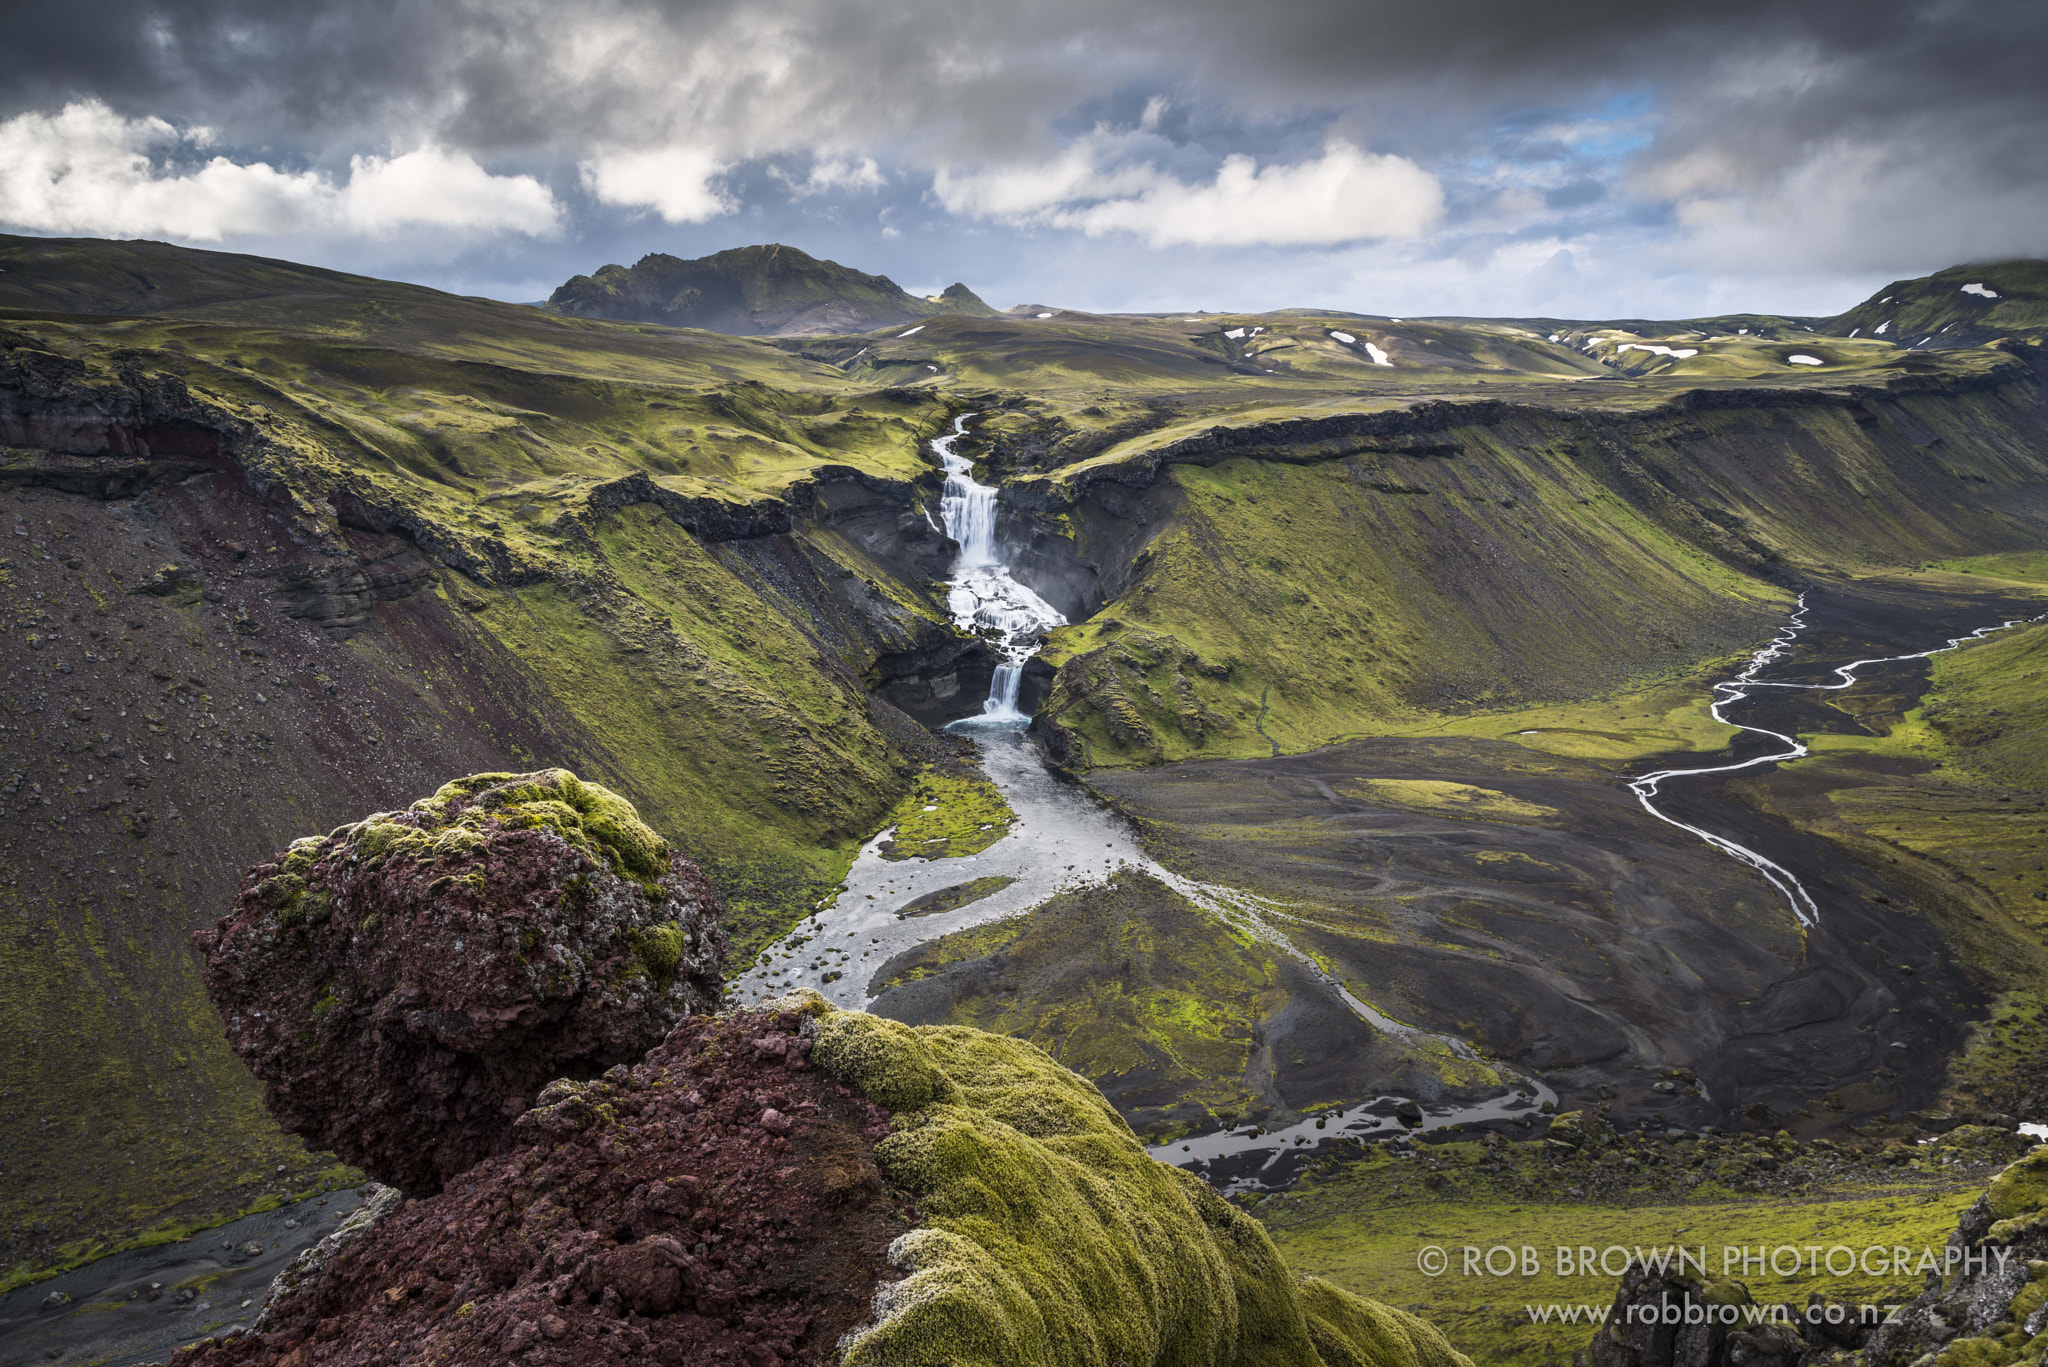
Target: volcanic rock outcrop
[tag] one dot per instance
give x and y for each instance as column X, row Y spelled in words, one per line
column 405, row 986
column 804, row 1184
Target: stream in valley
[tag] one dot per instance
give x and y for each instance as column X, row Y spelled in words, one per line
column 1063, row 838
column 1788, row 747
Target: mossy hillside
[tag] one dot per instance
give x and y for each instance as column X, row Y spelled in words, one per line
column 1990, row 704
column 133, row 1142
column 1047, row 1235
column 730, row 727
column 1541, row 561
column 1286, row 606
column 2021, row 567
column 1363, row 1226
column 1936, row 306
column 2004, row 1067
column 1130, row 985
column 458, row 432
column 946, row 814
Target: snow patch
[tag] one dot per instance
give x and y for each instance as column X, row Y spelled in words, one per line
column 1681, row 353
column 1879, row 330
column 913, row 332
column 1048, row 315
column 2034, row 1131
column 1978, row 287
column 1234, row 333
column 1378, row 357
column 1554, row 337
column 1804, row 360
column 1740, row 332
column 1346, row 338
column 1854, row 331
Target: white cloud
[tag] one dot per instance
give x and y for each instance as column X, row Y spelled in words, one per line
column 833, row 173
column 675, row 182
column 86, row 169
column 1342, row 195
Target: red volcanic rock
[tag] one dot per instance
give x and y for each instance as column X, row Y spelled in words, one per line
column 646, row 1218
column 405, row 985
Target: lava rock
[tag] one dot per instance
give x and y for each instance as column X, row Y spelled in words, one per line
column 651, row 1232
column 405, row 985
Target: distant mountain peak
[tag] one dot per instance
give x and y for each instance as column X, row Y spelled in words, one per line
column 771, row 289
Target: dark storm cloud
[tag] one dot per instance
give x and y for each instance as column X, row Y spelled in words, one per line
column 1741, row 138
column 972, row 76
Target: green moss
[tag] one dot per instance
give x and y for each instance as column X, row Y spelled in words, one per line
column 2018, row 1197
column 660, row 949
column 1049, row 1236
column 946, row 815
column 881, row 1058
column 1341, row 1324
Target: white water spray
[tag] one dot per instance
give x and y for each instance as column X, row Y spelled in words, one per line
column 1738, row 688
column 982, row 596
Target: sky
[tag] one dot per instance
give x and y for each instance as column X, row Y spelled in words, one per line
column 1533, row 158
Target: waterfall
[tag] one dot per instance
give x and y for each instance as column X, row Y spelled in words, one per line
column 981, row 596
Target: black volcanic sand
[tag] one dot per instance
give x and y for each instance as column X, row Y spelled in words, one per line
column 1599, row 946
column 111, row 1319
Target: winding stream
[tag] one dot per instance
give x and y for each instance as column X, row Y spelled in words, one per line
column 1738, row 689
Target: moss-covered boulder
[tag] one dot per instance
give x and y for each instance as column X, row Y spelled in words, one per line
column 1047, row 1235
column 406, row 985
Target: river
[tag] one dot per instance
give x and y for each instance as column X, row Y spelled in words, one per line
column 1742, row 687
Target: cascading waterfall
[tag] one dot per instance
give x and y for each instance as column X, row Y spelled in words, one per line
column 982, row 596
